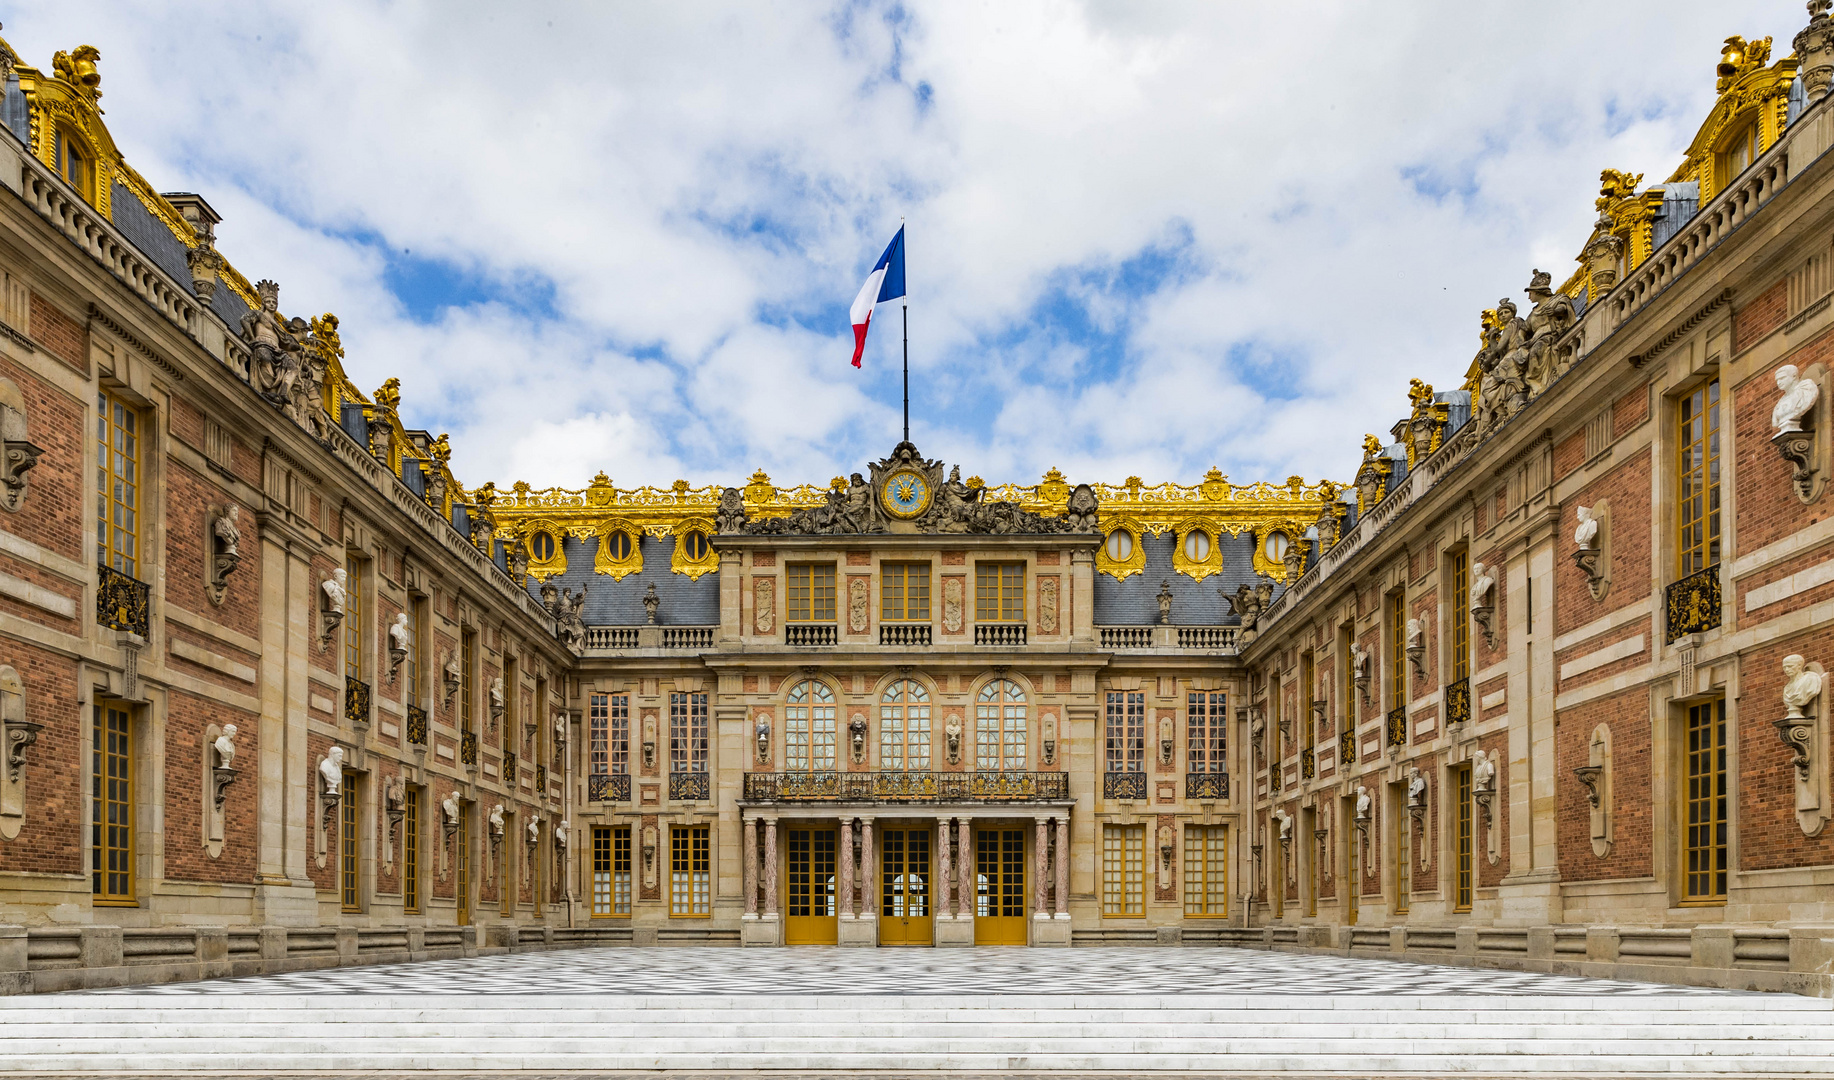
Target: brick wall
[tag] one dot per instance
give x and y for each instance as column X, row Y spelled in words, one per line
column 1569, row 454
column 51, row 842
column 1629, row 411
column 1627, row 715
column 190, row 498
column 62, row 336
column 1752, row 322
column 1768, row 835
column 188, row 716
column 1768, row 509
column 1496, row 748
column 55, row 507
column 1625, row 489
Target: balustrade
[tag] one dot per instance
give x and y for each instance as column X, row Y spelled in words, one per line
column 907, row 786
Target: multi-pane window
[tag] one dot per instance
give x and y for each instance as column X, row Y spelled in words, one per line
column 117, row 484
column 1460, row 615
column 74, row 165
column 1740, row 151
column 811, row 592
column 1308, row 692
column 417, row 638
column 999, row 726
column 1123, row 869
column 1704, row 839
column 1346, row 680
column 608, row 735
column 808, row 727
column 353, row 617
column 1461, row 884
column 468, row 680
column 904, row 726
column 512, row 689
column 1401, row 847
column 904, row 592
column 610, row 870
column 1697, row 505
column 1126, row 727
column 690, row 871
column 1206, row 870
column 999, row 592
column 688, row 732
column 462, row 867
column 410, row 853
column 350, row 899
column 1207, row 731
column 1397, row 651
column 111, row 834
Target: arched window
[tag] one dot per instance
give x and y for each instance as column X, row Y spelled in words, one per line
column 904, row 726
column 999, row 726
column 808, row 727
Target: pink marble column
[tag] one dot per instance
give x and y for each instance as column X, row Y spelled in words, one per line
column 1040, row 839
column 770, row 866
column 945, row 884
column 1063, row 866
column 965, row 901
column 751, row 866
column 846, row 871
column 869, row 877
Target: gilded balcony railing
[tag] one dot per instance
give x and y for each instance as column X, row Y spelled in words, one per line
column 1346, row 747
column 356, row 700
column 608, row 788
column 1308, row 764
column 1124, row 785
column 417, row 725
column 541, row 781
column 1693, row 603
column 509, row 769
column 1397, row 726
column 468, row 748
column 690, row 786
column 908, row 786
column 122, row 601
column 1206, row 785
column 1458, row 703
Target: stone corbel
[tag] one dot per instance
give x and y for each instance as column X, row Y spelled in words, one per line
column 449, row 823
column 329, row 799
column 1804, row 731
column 394, row 807
column 1365, row 804
column 649, row 855
column 649, row 742
column 856, row 738
column 1483, row 792
column 1595, row 774
column 1166, row 744
column 21, row 735
column 1048, row 744
column 20, row 455
column 764, row 739
column 952, row 738
column 1416, row 648
column 1323, row 855
column 1416, row 811
column 1359, row 666
column 1593, row 551
column 1798, row 421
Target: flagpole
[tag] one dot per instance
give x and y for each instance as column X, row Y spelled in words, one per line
column 907, row 371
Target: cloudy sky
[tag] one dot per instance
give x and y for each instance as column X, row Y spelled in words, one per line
column 1144, row 238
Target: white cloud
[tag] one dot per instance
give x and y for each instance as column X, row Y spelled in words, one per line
column 697, row 191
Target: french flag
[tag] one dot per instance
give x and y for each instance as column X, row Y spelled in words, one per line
column 886, row 282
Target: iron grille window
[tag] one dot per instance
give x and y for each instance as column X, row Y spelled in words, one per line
column 410, row 853
column 690, row 871
column 811, row 592
column 1206, row 870
column 904, row 592
column 688, row 732
column 1207, row 731
column 1704, row 846
column 999, row 592
column 1126, row 731
column 1697, row 503
column 1123, row 870
column 117, row 485
column 111, row 842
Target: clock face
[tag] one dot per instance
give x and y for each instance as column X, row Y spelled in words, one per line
column 906, row 494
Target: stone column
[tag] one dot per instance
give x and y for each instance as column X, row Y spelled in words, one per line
column 1063, row 867
column 965, row 903
column 770, row 867
column 869, row 876
column 945, row 890
column 845, row 886
column 1040, row 842
column 751, row 867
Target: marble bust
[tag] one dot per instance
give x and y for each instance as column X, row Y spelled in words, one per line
column 1801, row 686
column 332, row 770
column 334, row 590
column 1799, row 396
column 1483, row 772
column 1586, row 535
column 226, row 747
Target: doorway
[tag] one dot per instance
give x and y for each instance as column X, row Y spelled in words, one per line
column 904, row 887
column 1000, row 917
column 808, row 885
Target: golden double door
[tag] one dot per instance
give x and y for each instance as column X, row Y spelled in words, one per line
column 1000, row 917
column 904, row 887
column 809, row 914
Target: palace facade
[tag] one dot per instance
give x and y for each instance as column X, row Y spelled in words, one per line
column 1539, row 687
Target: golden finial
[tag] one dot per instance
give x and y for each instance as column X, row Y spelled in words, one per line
column 976, row 482
column 388, row 395
column 1052, row 476
column 442, row 450
column 1133, row 482
column 325, row 329
column 1371, row 446
column 839, row 483
column 79, row 69
column 1419, row 393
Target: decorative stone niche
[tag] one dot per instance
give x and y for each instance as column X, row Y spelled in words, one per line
column 395, row 807
column 21, row 734
column 1365, row 808
column 223, row 539
column 20, row 454
column 331, row 612
column 1804, row 730
column 329, row 783
column 1799, row 423
column 1595, row 774
column 218, row 760
column 1592, row 547
column 1483, row 601
column 1483, row 792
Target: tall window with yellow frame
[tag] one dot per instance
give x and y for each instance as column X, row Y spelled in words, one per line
column 1704, row 835
column 1697, row 502
column 462, row 868
column 1206, row 871
column 1397, row 650
column 1461, row 884
column 111, row 778
column 353, row 617
column 349, row 896
column 999, row 592
column 117, row 484
column 468, row 680
column 904, row 592
column 410, row 853
column 1123, row 871
column 1460, row 615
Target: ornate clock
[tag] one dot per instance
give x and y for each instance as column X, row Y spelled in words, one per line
column 905, row 494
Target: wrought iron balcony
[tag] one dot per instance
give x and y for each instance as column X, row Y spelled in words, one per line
column 1458, row 703
column 541, row 781
column 608, row 788
column 417, row 725
column 509, row 769
column 690, row 786
column 1397, row 726
column 1308, row 764
column 904, row 633
column 356, row 700
column 1346, row 747
column 1206, row 785
column 468, row 748
column 810, row 633
column 1692, row 605
column 1012, row 633
column 122, row 602
column 911, row 786
column 1124, row 785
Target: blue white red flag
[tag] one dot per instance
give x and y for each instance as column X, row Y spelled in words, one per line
column 886, row 282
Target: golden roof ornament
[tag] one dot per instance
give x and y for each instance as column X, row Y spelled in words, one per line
column 1372, row 446
column 78, row 69
column 388, row 395
column 442, row 449
column 1419, row 393
column 1738, row 56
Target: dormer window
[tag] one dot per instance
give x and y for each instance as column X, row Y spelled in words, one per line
column 1736, row 155
column 75, row 165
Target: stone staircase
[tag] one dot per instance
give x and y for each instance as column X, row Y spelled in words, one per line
column 1745, row 1035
